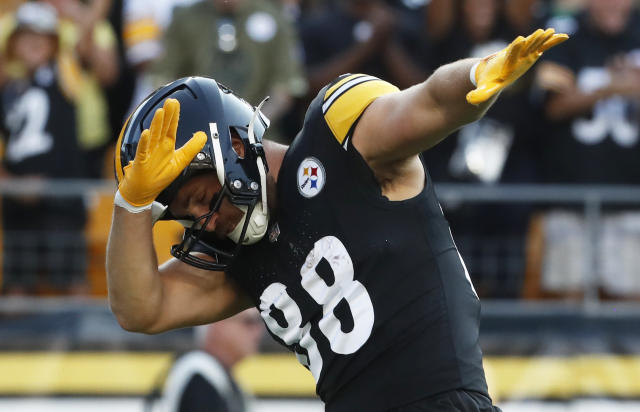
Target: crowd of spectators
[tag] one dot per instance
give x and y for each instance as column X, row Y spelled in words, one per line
column 573, row 119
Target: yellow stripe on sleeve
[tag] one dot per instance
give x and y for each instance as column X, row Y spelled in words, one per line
column 336, row 86
column 345, row 107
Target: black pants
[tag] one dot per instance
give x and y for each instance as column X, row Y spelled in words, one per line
column 452, row 401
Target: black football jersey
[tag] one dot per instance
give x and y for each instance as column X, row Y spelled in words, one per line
column 371, row 294
column 603, row 145
column 39, row 125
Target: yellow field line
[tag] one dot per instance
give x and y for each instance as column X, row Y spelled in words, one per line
column 122, row 373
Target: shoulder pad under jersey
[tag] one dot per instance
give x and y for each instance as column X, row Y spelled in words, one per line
column 347, row 98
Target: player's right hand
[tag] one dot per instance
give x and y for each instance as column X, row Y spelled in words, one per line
column 157, row 163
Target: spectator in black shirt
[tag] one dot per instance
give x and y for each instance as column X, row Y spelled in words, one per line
column 591, row 104
column 44, row 244
column 365, row 37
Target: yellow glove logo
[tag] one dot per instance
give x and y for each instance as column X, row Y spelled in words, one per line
column 499, row 70
column 157, row 163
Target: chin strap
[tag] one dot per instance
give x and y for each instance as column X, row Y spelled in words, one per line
column 260, row 161
column 263, row 184
column 158, row 210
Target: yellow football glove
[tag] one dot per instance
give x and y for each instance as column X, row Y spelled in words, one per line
column 157, row 163
column 497, row 71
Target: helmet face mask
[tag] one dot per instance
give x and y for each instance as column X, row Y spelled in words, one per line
column 208, row 106
column 197, row 240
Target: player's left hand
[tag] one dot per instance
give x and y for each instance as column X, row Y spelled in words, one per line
column 499, row 70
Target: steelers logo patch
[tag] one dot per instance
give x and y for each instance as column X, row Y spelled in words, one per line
column 311, row 177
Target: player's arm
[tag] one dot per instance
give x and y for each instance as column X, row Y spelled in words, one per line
column 143, row 297
column 397, row 126
column 151, row 299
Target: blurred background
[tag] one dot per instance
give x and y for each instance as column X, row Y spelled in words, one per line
column 542, row 194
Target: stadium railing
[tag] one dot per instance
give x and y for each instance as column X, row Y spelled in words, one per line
column 591, row 200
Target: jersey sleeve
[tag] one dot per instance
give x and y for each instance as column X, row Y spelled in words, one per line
column 346, row 99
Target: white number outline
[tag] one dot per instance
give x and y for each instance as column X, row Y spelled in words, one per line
column 344, row 287
column 27, row 121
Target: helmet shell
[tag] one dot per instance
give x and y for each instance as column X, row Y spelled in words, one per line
column 207, row 106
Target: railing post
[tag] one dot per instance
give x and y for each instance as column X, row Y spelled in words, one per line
column 593, row 218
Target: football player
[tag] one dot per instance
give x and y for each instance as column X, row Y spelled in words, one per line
column 338, row 240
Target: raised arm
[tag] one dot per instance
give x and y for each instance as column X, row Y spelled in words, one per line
column 145, row 297
column 397, row 126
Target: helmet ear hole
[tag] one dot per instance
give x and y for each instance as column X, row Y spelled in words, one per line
column 237, row 143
